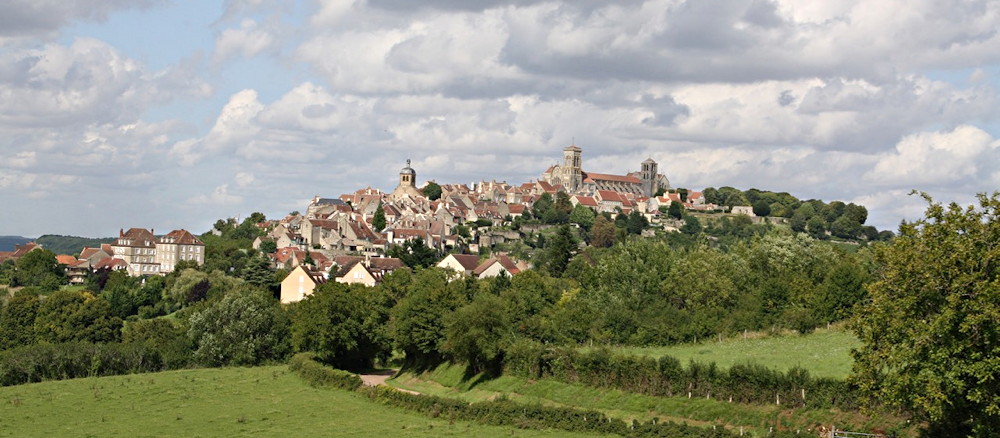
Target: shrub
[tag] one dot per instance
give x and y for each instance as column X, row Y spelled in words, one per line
column 318, row 375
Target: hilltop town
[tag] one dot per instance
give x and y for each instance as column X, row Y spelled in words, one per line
column 469, row 228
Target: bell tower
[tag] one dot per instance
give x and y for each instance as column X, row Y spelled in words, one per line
column 407, row 176
column 572, row 172
column 648, row 177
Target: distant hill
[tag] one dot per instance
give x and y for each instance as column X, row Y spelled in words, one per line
column 70, row 244
column 7, row 242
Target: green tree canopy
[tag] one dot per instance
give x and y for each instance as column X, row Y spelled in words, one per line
column 378, row 221
column 246, row 327
column 432, row 190
column 929, row 333
column 38, row 268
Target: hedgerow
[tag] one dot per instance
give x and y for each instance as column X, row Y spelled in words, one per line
column 318, row 375
column 38, row 362
column 666, row 376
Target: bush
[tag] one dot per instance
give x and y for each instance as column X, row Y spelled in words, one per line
column 39, row 362
column 321, row 376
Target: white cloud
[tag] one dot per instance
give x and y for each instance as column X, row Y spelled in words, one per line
column 219, row 197
column 935, row 158
column 249, row 40
column 244, row 179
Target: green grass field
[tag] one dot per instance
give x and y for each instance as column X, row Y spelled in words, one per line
column 755, row 420
column 825, row 353
column 258, row 402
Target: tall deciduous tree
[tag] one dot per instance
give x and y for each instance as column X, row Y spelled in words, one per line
column 602, row 235
column 247, row 327
column 931, row 342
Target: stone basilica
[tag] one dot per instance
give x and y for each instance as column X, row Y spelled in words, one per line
column 571, row 176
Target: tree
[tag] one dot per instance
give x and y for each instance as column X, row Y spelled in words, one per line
column 257, row 272
column 414, row 253
column 559, row 250
column 582, row 216
column 542, row 206
column 816, row 227
column 761, row 208
column 432, row 191
column 378, row 221
column 675, row 210
column 636, row 222
column 17, row 320
column 929, row 330
column 478, row 333
column 331, row 323
column 246, row 327
column 38, row 268
column 268, row 247
column 602, row 235
column 67, row 316
column 845, row 227
column 691, row 225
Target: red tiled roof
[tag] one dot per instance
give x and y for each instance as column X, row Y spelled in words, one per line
column 587, row 201
column 609, row 177
column 181, row 237
column 67, row 260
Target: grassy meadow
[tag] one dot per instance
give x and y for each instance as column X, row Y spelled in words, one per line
column 258, row 402
column 825, row 352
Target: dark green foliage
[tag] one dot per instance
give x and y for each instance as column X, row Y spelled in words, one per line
column 504, row 412
column 35, row 363
column 666, row 377
column 246, row 327
column 321, row 376
column 432, row 190
column 17, row 321
column 415, row 253
column 636, row 222
column 675, row 210
column 268, row 247
column 762, row 208
column 169, row 339
column 477, row 333
column 691, row 225
column 258, row 273
column 929, row 329
column 68, row 316
column 558, row 251
column 332, row 323
column 378, row 221
column 417, row 324
column 38, row 268
column 70, row 244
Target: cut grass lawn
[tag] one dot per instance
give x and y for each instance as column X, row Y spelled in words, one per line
column 263, row 401
column 449, row 381
column 825, row 352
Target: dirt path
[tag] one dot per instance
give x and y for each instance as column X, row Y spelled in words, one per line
column 377, row 378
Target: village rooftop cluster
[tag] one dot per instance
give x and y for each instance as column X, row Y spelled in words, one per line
column 338, row 238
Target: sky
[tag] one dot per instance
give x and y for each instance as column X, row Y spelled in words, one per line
column 172, row 114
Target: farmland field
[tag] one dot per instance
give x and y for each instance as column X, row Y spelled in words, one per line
column 825, row 353
column 263, row 401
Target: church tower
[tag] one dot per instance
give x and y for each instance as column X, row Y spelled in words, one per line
column 572, row 172
column 407, row 176
column 648, row 177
